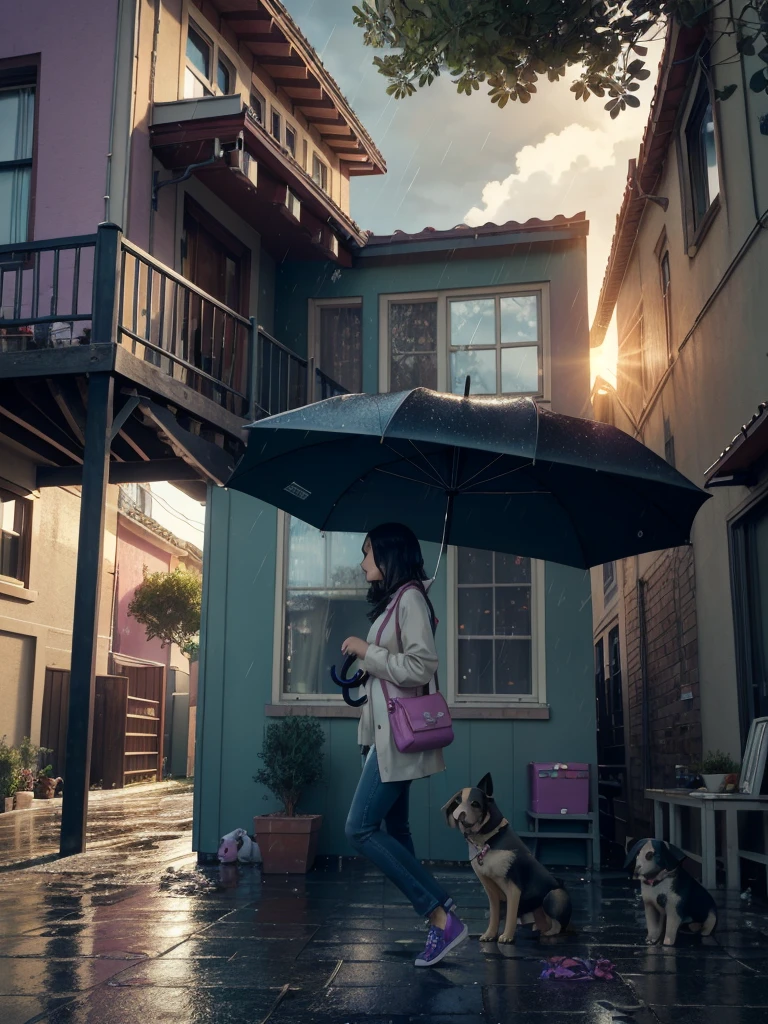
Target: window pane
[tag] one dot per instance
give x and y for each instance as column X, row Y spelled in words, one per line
column 198, row 53
column 519, row 319
column 276, row 126
column 223, row 77
column 513, row 611
column 475, row 611
column 306, row 556
column 709, row 152
column 475, row 566
column 512, row 568
column 193, row 87
column 10, row 540
column 290, row 140
column 257, row 106
column 341, row 345
column 480, row 366
column 513, row 667
column 413, row 345
column 473, row 322
column 475, row 666
column 345, row 556
column 519, row 371
column 14, row 204
column 17, row 112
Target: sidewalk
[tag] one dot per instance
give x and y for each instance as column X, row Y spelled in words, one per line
column 133, row 932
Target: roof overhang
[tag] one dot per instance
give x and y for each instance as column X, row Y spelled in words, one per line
column 736, row 466
column 287, row 58
column 183, row 134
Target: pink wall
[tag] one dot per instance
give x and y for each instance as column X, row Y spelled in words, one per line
column 76, row 41
column 133, row 553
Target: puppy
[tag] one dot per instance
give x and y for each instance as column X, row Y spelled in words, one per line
column 505, row 867
column 671, row 897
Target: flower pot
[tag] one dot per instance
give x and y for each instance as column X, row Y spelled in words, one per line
column 714, row 783
column 23, row 799
column 7, row 803
column 288, row 845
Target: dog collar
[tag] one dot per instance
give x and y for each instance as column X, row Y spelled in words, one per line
column 657, row 878
column 483, row 850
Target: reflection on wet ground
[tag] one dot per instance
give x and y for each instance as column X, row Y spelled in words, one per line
column 135, row 931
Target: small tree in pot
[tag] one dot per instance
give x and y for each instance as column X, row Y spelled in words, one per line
column 293, row 760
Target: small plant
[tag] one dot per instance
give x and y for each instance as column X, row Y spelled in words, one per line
column 292, row 757
column 10, row 770
column 717, row 763
column 30, row 757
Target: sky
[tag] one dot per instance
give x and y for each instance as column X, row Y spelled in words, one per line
column 456, row 159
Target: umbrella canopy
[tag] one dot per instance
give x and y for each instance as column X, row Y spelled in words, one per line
column 494, row 473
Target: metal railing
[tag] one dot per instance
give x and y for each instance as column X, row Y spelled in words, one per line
column 101, row 288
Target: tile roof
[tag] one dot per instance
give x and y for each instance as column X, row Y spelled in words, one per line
column 478, row 231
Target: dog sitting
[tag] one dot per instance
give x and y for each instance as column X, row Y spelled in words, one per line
column 506, row 868
column 671, row 897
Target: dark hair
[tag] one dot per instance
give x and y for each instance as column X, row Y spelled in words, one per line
column 398, row 557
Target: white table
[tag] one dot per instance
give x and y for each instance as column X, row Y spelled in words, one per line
column 708, row 804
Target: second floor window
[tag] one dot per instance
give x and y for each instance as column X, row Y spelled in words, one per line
column 320, row 174
column 257, row 106
column 702, row 153
column 666, row 298
column 338, row 343
column 17, row 122
column 276, row 126
column 15, row 532
column 207, row 70
column 290, row 140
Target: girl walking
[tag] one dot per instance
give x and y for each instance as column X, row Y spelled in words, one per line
column 400, row 649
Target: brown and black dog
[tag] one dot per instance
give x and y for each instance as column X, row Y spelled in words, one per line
column 506, row 868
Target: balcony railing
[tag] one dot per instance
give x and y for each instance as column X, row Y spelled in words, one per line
column 102, row 288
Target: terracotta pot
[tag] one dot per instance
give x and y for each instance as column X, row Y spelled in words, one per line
column 23, row 799
column 288, row 845
column 7, row 803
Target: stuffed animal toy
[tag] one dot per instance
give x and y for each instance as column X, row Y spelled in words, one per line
column 239, row 846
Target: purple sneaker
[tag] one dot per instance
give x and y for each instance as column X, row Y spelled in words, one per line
column 441, row 941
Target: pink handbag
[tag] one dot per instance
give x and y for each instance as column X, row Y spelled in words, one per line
column 417, row 723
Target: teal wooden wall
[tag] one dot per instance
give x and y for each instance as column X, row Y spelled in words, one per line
column 240, row 566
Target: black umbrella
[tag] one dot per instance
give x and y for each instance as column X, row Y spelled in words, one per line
column 494, row 473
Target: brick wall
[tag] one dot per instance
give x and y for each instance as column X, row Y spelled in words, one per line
column 672, row 670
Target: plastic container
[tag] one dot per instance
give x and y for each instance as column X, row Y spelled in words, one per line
column 559, row 788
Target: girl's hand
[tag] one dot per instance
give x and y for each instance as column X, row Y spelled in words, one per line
column 354, row 645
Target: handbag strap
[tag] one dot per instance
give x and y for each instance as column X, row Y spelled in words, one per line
column 394, row 609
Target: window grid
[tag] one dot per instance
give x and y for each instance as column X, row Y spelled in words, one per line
column 14, row 227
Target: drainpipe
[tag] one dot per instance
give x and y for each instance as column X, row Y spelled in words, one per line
column 646, row 730
column 746, row 91
column 152, row 80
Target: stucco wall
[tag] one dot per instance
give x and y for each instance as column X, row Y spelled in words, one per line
column 134, row 552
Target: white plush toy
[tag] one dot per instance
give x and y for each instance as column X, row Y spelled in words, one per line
column 238, row 845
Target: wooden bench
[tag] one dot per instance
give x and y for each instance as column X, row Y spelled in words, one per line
column 589, row 835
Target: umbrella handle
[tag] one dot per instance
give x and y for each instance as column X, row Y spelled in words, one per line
column 358, row 679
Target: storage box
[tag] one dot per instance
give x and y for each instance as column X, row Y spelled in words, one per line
column 559, row 788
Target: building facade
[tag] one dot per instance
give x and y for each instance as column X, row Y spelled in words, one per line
column 678, row 634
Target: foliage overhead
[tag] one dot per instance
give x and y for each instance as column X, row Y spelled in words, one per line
column 168, row 605
column 509, row 44
column 293, row 758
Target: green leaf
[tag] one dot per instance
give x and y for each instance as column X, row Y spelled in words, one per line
column 746, row 46
column 758, row 82
column 726, row 93
column 631, row 101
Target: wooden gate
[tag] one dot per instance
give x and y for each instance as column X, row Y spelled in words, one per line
column 128, row 719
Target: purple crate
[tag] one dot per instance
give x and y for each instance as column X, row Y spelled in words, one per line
column 559, row 788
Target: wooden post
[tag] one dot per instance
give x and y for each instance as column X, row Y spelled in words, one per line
column 86, row 618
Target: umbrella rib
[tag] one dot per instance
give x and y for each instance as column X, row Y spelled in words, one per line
column 438, row 480
column 433, row 468
column 482, row 470
column 576, row 533
column 506, row 493
column 490, row 479
column 401, row 476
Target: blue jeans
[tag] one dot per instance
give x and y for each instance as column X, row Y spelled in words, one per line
column 392, row 851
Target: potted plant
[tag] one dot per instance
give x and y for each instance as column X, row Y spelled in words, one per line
column 293, row 760
column 29, row 758
column 714, row 769
column 10, row 769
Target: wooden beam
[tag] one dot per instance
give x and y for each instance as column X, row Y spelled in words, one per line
column 49, row 362
column 41, row 434
column 270, row 49
column 120, row 473
column 292, row 60
column 259, row 14
column 73, row 416
column 301, row 95
column 211, row 461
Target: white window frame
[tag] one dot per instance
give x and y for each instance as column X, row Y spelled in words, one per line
column 278, row 636
column 275, row 113
column 695, row 231
column 313, row 322
column 538, row 695
column 217, row 53
column 322, row 163
column 257, row 94
column 294, row 132
column 443, row 298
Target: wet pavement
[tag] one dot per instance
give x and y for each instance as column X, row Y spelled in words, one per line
column 135, row 931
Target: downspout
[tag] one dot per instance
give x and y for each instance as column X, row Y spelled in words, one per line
column 110, row 214
column 758, row 216
column 645, row 700
column 152, row 77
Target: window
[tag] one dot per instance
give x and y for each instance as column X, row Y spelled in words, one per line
column 320, row 174
column 197, row 76
column 495, row 340
column 225, row 76
column 290, row 140
column 137, row 497
column 257, row 106
column 495, row 626
column 305, row 154
column 669, row 443
column 325, row 596
column 666, row 298
column 498, row 338
column 412, row 343
column 17, row 122
column 702, row 153
column 277, row 126
column 15, row 533
column 609, row 581
column 338, row 341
